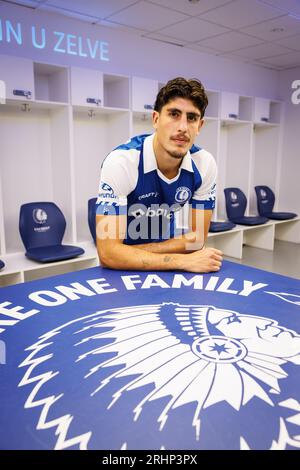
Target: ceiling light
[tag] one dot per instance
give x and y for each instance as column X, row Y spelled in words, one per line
column 194, row 1
column 276, row 30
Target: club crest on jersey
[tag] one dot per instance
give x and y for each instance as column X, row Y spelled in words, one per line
column 183, row 194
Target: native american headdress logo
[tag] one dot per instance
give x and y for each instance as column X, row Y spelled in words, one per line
column 169, row 354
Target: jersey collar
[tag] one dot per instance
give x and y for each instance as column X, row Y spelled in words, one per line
column 150, row 163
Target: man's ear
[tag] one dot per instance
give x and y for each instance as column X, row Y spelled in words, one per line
column 155, row 117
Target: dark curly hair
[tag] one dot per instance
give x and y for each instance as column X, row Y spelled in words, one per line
column 180, row 87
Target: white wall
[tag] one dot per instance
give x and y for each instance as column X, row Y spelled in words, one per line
column 133, row 55
column 289, row 196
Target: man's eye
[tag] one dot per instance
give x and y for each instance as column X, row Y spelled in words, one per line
column 233, row 319
column 174, row 113
column 192, row 118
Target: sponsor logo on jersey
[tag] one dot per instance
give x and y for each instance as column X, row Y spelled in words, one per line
column 155, row 210
column 151, row 212
column 144, row 196
column 212, row 191
column 106, row 187
column 105, row 196
column 108, row 193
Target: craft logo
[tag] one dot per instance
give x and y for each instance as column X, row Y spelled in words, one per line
column 295, row 98
column 2, row 92
column 160, row 369
column 183, row 194
column 144, row 196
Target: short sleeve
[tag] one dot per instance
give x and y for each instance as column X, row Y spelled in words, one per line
column 205, row 196
column 118, row 179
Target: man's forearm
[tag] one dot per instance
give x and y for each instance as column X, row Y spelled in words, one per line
column 119, row 256
column 122, row 256
column 186, row 243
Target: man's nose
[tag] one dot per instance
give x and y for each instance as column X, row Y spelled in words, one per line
column 183, row 124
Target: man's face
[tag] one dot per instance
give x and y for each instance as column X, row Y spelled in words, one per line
column 177, row 125
column 259, row 334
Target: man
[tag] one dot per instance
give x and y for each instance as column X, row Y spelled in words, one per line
column 147, row 183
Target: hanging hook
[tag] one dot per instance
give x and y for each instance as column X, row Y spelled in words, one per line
column 25, row 108
column 91, row 113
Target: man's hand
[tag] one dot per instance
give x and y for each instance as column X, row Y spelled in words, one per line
column 203, row 261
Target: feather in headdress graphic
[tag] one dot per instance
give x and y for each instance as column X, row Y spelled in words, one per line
column 168, row 355
column 290, row 298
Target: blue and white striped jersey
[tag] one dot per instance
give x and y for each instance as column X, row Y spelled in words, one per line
column 132, row 184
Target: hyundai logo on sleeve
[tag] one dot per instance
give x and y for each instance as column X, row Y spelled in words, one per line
column 106, row 187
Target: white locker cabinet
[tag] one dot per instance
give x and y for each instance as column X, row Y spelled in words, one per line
column 212, row 110
column 116, row 91
column 261, row 110
column 17, row 74
column 34, row 164
column 245, row 108
column 144, row 93
column 229, row 105
column 235, row 159
column 276, row 113
column 51, row 83
column 86, row 87
column 265, row 160
column 93, row 138
column 209, row 136
column 142, row 123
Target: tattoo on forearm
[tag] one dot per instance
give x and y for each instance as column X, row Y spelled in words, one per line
column 167, row 259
